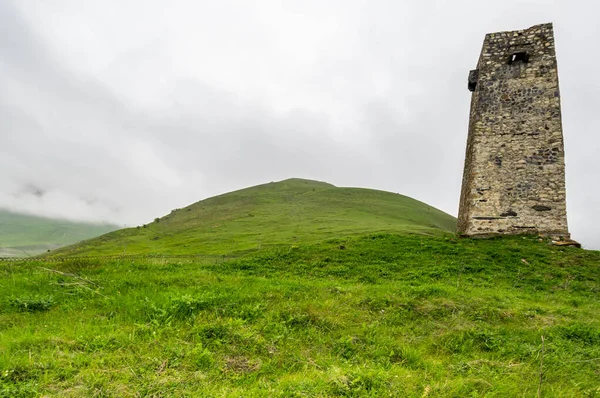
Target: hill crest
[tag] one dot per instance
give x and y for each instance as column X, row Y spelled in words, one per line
column 291, row 211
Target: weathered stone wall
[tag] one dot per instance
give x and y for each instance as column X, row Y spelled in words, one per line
column 514, row 175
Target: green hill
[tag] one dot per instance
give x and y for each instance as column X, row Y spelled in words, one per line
column 302, row 289
column 287, row 212
column 25, row 235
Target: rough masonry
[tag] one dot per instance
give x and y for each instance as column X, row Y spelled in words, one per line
column 514, row 175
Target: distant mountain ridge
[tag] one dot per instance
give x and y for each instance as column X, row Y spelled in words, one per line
column 293, row 211
column 24, row 235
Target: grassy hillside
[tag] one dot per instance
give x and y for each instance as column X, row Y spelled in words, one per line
column 286, row 212
column 302, row 289
column 23, row 235
column 384, row 315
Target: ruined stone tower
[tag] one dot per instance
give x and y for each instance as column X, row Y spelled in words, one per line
column 514, row 175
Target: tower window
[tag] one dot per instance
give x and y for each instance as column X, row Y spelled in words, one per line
column 473, row 77
column 521, row 56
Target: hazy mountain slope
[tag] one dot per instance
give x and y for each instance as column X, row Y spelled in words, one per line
column 293, row 211
column 22, row 235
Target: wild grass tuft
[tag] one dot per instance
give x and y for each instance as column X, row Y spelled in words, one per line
column 31, row 303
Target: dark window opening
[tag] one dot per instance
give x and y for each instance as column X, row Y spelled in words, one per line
column 473, row 77
column 471, row 86
column 519, row 57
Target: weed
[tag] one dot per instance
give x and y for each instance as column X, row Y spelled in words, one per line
column 202, row 358
column 186, row 306
column 579, row 332
column 32, row 303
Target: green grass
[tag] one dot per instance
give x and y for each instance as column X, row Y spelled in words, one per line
column 302, row 289
column 24, row 235
column 374, row 315
column 288, row 212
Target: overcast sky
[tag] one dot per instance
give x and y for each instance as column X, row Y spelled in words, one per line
column 121, row 110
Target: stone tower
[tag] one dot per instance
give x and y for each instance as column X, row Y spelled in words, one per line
column 514, row 175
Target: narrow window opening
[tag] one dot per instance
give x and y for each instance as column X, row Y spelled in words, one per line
column 473, row 77
column 519, row 57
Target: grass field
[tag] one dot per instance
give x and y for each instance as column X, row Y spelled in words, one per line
column 25, row 235
column 379, row 315
column 403, row 310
